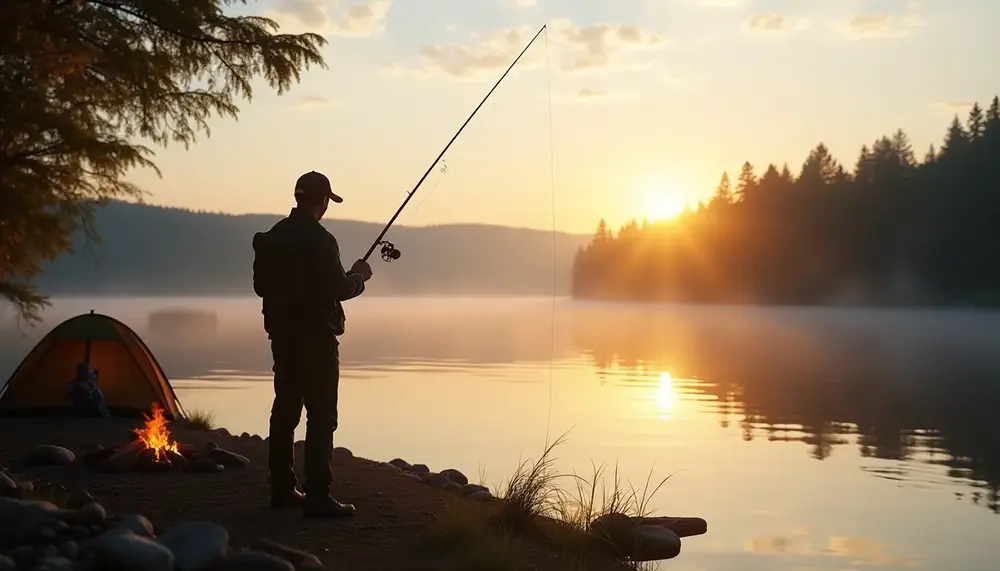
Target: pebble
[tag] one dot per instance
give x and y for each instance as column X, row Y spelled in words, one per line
column 256, row 561
column 23, row 520
column 470, row 489
column 137, row 524
column 7, row 564
column 400, row 463
column 480, row 497
column 49, row 455
column 455, row 476
column 69, row 549
column 228, row 459
column 197, row 545
column 92, row 513
column 420, row 469
column 8, row 489
column 54, row 564
column 126, row 550
column 654, row 543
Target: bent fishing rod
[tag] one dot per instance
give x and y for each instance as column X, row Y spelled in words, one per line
column 389, row 251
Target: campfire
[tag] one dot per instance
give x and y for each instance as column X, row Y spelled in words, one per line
column 152, row 449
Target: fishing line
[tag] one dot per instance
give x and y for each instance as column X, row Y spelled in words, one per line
column 448, row 163
column 555, row 276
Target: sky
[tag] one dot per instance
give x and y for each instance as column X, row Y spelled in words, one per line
column 621, row 109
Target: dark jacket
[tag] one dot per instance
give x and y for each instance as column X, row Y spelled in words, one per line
column 298, row 274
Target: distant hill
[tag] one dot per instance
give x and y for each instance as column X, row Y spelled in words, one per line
column 152, row 250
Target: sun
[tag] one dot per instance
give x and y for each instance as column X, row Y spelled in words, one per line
column 663, row 204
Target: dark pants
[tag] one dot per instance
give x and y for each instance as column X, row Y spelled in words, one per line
column 306, row 372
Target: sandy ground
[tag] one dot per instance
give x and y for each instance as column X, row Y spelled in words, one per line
column 394, row 511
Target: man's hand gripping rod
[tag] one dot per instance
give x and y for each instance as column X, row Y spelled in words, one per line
column 389, row 251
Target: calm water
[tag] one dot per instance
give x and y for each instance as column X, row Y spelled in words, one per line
column 809, row 439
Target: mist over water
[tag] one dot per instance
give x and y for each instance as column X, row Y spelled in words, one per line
column 824, row 439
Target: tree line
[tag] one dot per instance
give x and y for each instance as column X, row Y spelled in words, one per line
column 892, row 230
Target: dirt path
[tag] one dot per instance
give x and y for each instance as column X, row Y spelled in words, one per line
column 394, row 511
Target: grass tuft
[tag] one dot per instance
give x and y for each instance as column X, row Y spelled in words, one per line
column 463, row 531
column 532, row 492
column 199, row 420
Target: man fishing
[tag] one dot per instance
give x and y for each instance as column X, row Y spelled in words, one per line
column 298, row 274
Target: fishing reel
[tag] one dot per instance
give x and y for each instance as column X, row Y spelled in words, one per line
column 389, row 251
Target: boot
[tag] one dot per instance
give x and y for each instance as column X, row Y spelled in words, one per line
column 287, row 499
column 326, row 507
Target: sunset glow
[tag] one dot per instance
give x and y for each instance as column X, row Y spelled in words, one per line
column 663, row 204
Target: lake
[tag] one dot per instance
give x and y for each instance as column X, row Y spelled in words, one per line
column 810, row 439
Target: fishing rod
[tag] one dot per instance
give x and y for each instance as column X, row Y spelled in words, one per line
column 389, row 251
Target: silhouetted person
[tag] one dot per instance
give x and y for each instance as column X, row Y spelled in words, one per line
column 298, row 274
column 85, row 395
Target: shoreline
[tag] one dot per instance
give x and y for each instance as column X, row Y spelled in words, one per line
column 407, row 514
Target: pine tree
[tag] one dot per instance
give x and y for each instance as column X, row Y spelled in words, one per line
column 723, row 192
column 956, row 139
column 81, row 82
column 903, row 149
column 993, row 114
column 976, row 122
column 747, row 180
column 864, row 170
column 931, row 156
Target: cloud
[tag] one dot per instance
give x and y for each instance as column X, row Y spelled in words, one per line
column 575, row 49
column 880, row 25
column 773, row 24
column 954, row 107
column 722, row 3
column 314, row 101
column 330, row 18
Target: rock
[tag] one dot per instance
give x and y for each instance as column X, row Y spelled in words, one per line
column 682, row 526
column 69, row 549
column 137, row 524
column 23, row 555
column 450, row 486
column 392, row 467
column 257, row 438
column 78, row 498
column 400, row 463
column 22, row 520
column 222, row 431
column 78, row 532
column 25, row 488
column 211, row 445
column 420, row 469
column 654, row 543
column 92, row 513
column 480, row 497
column 436, row 480
column 245, row 435
column 256, row 561
column 127, row 551
column 7, row 564
column 302, row 560
column 228, row 459
column 8, row 488
column 49, row 455
column 455, row 476
column 617, row 530
column 197, row 545
column 470, row 489
column 342, row 452
column 55, row 563
column 47, row 550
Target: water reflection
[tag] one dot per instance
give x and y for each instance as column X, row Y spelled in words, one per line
column 916, row 387
column 823, row 438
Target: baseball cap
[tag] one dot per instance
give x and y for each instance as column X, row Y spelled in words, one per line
column 315, row 184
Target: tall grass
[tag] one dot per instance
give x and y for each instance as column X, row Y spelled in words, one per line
column 199, row 420
column 533, row 502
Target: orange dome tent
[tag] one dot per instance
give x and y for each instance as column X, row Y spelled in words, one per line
column 128, row 374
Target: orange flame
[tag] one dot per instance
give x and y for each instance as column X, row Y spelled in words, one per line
column 155, row 436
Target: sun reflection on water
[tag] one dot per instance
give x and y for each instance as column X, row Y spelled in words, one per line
column 667, row 394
